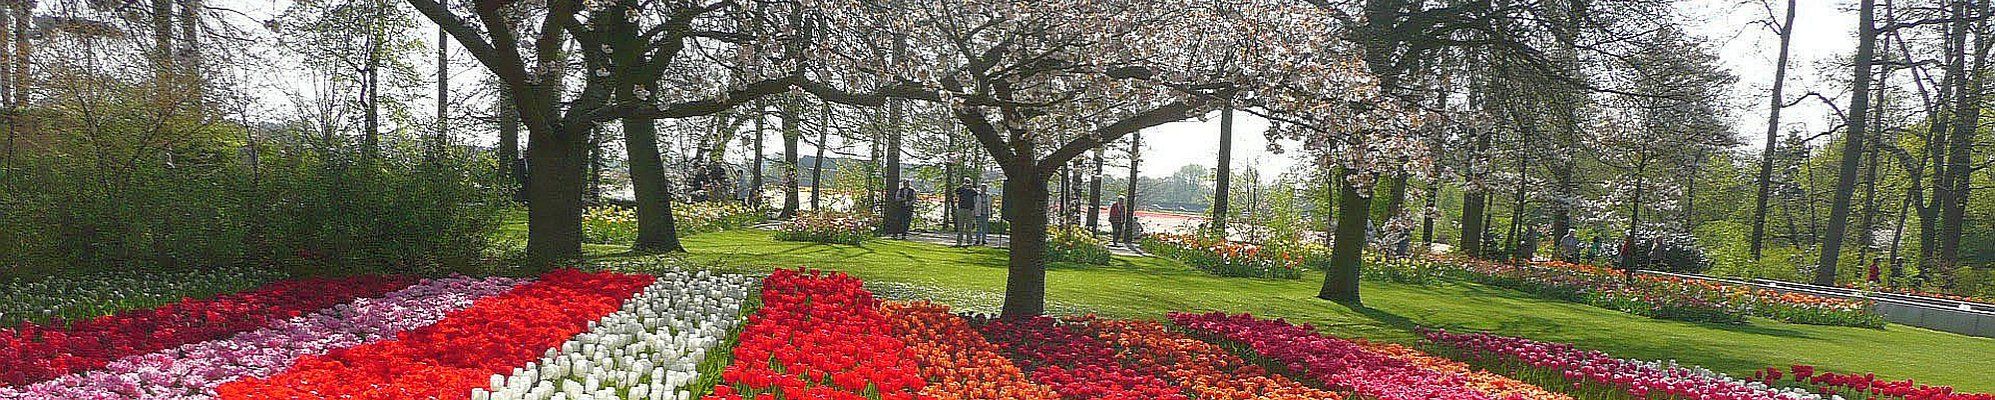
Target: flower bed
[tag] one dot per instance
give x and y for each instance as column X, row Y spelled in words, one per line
column 818, row 336
column 827, row 227
column 1074, row 364
column 957, row 362
column 1660, row 296
column 1075, row 245
column 609, row 225
column 1596, row 375
column 1223, row 258
column 72, row 298
column 448, row 359
column 697, row 218
column 1338, row 364
column 652, row 348
column 33, row 353
column 193, row 371
column 618, row 224
column 1196, row 367
column 1861, row 386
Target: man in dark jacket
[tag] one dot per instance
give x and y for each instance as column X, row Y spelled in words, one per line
column 903, row 198
column 965, row 210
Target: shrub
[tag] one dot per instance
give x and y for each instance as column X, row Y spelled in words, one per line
column 1075, row 245
column 1670, row 252
column 825, row 226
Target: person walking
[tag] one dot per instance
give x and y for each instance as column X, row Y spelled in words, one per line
column 903, row 198
column 965, row 211
column 1116, row 213
column 983, row 214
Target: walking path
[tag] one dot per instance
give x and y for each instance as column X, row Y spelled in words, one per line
column 1004, row 242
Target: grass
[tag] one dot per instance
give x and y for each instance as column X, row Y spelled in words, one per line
column 972, row 279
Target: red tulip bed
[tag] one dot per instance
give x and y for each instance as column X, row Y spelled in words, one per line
column 33, row 353
column 580, row 335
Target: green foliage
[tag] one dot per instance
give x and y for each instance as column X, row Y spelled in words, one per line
column 223, row 195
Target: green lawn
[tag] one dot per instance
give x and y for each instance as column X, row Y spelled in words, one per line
column 973, row 280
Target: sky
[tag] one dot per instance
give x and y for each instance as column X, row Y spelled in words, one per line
column 1824, row 31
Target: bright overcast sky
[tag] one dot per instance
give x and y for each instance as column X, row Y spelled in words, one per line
column 1824, row 32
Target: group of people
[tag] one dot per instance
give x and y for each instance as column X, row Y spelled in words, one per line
column 970, row 210
column 1570, row 248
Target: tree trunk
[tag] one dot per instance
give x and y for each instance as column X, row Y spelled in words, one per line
column 657, row 228
column 162, row 38
column 1129, row 220
column 510, row 163
column 755, row 162
column 1959, row 158
column 371, row 141
column 1223, row 183
column 1427, row 214
column 791, row 134
column 1758, row 237
column 1634, row 219
column 1839, row 207
column 554, row 195
column 1340, row 282
column 1025, row 206
column 892, row 173
column 817, row 167
column 442, row 95
column 1094, row 192
column 189, row 61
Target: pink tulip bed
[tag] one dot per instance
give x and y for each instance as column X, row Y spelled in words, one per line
column 676, row 335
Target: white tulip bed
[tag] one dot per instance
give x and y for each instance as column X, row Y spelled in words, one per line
column 651, row 349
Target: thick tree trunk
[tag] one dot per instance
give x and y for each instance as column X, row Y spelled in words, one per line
column 791, row 135
column 554, row 195
column 657, row 229
column 1758, row 237
column 1223, row 184
column 1839, row 207
column 1340, row 282
column 892, row 174
column 1025, row 206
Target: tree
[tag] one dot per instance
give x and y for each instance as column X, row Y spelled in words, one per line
column 1853, row 145
column 558, row 120
column 1021, row 75
column 1774, row 103
column 1223, row 185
